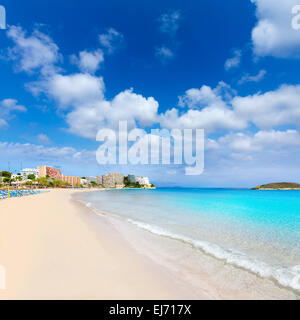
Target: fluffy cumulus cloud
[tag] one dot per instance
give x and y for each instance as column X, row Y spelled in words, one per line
column 209, row 109
column 34, row 52
column 87, row 119
column 222, row 109
column 75, row 89
column 273, row 34
column 82, row 97
column 111, row 40
column 7, row 109
column 270, row 109
column 70, row 90
column 88, row 61
column 234, row 61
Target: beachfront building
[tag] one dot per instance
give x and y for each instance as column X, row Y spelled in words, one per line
column 90, row 179
column 73, row 181
column 143, row 181
column 28, row 171
column 44, row 171
column 112, row 180
column 84, row 181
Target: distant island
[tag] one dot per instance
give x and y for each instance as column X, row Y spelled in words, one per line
column 279, row 186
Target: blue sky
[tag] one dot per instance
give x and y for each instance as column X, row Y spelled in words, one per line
column 230, row 67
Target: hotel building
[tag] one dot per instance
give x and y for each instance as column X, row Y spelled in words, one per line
column 142, row 180
column 44, row 171
column 26, row 172
column 73, row 181
column 112, row 180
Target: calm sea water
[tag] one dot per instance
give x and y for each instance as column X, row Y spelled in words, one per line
column 255, row 230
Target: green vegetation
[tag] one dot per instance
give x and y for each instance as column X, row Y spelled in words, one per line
column 5, row 174
column 279, row 186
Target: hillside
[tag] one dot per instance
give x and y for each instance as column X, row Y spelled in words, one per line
column 279, row 186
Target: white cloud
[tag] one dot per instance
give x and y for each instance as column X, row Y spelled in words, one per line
column 37, row 152
column 88, row 61
column 82, row 97
column 3, row 123
column 71, row 90
column 7, row 108
column 270, row 109
column 273, row 34
column 164, row 53
column 222, row 109
column 44, row 138
column 196, row 98
column 212, row 118
column 35, row 52
column 235, row 61
column 254, row 78
column 262, row 140
column 111, row 40
column 87, row 119
column 209, row 110
column 169, row 22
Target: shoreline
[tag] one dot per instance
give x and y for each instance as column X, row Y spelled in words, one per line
column 54, row 247
column 239, row 280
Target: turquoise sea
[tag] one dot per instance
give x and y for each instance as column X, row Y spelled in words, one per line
column 255, row 230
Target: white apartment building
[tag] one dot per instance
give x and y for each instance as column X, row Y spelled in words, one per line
column 28, row 171
column 142, row 180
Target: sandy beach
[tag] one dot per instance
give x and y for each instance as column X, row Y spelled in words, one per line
column 51, row 251
column 53, row 247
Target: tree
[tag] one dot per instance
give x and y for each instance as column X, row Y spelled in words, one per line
column 5, row 174
column 31, row 177
column 152, row 185
column 43, row 182
column 6, row 180
column 137, row 185
column 126, row 181
column 93, row 183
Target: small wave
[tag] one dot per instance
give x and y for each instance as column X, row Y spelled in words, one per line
column 286, row 276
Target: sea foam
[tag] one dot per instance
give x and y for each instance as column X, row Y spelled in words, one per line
column 285, row 276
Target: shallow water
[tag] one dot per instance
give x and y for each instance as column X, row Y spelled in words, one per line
column 256, row 230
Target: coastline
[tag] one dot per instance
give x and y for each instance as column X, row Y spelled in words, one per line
column 54, row 247
column 200, row 273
